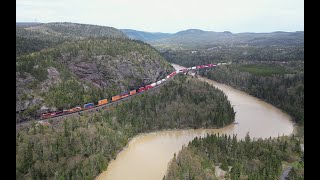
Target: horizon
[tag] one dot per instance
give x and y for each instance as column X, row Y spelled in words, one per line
column 166, row 32
column 170, row 16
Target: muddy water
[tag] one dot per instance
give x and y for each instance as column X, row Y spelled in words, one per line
column 148, row 155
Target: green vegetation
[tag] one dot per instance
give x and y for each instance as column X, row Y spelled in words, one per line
column 263, row 69
column 80, row 71
column 71, row 93
column 244, row 159
column 224, row 53
column 280, row 85
column 273, row 73
column 81, row 148
column 198, row 39
column 35, row 37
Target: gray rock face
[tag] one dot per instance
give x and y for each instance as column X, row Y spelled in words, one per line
column 103, row 71
column 22, row 91
column 27, row 93
column 111, row 65
column 53, row 79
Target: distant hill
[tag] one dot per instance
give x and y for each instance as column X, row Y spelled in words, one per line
column 31, row 37
column 195, row 38
column 144, row 36
column 27, row 23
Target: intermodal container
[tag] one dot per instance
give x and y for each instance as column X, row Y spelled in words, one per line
column 141, row 89
column 75, row 109
column 103, row 101
column 158, row 82
column 115, row 98
column 153, row 84
column 124, row 95
column 148, row 87
column 133, row 92
column 88, row 105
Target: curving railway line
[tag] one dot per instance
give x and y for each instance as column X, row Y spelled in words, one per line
column 56, row 118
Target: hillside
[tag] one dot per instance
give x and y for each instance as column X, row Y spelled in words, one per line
column 82, row 71
column 27, row 23
column 144, row 36
column 34, row 37
column 82, row 147
column 194, row 38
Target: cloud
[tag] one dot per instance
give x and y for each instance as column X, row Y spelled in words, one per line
column 170, row 16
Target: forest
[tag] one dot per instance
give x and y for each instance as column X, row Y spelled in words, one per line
column 279, row 85
column 257, row 159
column 81, row 71
column 225, row 53
column 35, row 37
column 272, row 73
column 82, row 147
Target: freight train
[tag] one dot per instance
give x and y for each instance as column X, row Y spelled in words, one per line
column 121, row 96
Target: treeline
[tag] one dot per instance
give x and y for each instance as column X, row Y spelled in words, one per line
column 282, row 86
column 81, row 148
column 244, row 159
column 36, row 37
column 223, row 53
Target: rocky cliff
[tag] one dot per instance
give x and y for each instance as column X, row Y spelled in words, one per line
column 82, row 71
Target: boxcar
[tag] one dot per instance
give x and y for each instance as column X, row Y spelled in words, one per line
column 141, row 89
column 88, row 105
column 133, row 92
column 115, row 98
column 103, row 101
column 124, row 95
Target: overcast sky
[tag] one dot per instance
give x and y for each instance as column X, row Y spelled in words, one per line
column 170, row 15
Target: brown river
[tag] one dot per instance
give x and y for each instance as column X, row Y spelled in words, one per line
column 147, row 155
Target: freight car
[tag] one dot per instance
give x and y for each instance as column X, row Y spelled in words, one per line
column 102, row 102
column 47, row 115
column 88, row 106
column 141, row 89
column 75, row 109
column 115, row 98
column 148, row 87
column 124, row 95
column 133, row 92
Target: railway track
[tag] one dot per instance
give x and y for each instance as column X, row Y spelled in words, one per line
column 54, row 120
column 58, row 118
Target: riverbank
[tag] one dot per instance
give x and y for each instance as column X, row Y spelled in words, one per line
column 82, row 147
column 147, row 156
